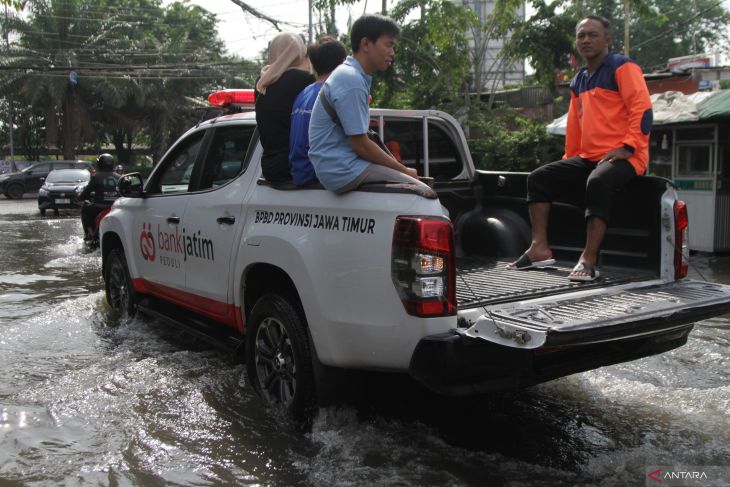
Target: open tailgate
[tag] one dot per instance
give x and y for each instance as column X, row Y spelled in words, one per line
column 601, row 315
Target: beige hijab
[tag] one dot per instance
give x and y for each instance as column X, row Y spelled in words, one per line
column 286, row 51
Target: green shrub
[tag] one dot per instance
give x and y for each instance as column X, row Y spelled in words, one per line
column 510, row 142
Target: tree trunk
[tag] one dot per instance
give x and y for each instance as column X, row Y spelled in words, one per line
column 71, row 126
column 52, row 127
column 158, row 132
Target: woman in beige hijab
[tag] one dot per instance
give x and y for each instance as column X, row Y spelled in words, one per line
column 280, row 82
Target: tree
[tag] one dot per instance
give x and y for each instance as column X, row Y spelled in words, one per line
column 678, row 28
column 431, row 62
column 116, row 71
column 546, row 41
column 659, row 30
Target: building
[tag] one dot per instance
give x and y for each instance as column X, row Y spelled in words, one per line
column 494, row 75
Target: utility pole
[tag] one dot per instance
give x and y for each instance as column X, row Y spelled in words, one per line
column 385, row 7
column 626, row 28
column 310, row 23
column 13, row 167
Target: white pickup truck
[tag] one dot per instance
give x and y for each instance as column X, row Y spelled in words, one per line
column 309, row 283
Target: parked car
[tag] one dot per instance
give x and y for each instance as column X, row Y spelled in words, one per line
column 61, row 188
column 13, row 185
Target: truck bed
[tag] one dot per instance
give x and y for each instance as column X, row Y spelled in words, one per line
column 482, row 281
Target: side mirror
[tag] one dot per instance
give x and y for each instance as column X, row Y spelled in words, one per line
column 130, row 185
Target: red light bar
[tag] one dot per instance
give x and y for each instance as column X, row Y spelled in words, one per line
column 230, row 97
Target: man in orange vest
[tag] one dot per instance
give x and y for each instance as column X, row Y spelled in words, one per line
column 606, row 145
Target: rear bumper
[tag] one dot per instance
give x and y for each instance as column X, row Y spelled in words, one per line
column 455, row 364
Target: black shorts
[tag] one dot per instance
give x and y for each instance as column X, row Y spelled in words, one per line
column 581, row 182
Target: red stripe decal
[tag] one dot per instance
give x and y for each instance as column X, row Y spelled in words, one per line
column 228, row 314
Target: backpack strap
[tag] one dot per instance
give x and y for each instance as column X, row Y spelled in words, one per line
column 328, row 107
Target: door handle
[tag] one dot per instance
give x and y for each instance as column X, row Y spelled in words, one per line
column 173, row 219
column 226, row 220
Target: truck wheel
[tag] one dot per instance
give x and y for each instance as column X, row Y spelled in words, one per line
column 14, row 192
column 278, row 357
column 118, row 284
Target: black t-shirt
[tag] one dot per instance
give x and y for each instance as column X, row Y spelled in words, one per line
column 273, row 116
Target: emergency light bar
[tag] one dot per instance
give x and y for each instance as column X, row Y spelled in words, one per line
column 224, row 98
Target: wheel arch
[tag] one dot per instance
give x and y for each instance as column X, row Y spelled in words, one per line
column 261, row 279
column 496, row 232
column 109, row 242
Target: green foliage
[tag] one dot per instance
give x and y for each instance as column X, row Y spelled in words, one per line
column 431, row 62
column 659, row 30
column 135, row 63
column 547, row 41
column 510, row 142
column 676, row 28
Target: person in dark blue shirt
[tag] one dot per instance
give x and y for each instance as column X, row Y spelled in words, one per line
column 325, row 56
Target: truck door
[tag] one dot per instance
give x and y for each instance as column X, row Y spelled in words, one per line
column 213, row 220
column 158, row 221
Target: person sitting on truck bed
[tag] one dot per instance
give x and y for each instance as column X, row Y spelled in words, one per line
column 340, row 150
column 286, row 75
column 606, row 145
column 325, row 56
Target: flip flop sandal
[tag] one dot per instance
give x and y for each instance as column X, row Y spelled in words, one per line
column 524, row 263
column 591, row 273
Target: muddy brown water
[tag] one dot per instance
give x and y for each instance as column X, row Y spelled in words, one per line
column 87, row 399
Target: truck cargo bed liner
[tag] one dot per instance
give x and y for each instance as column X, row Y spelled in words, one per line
column 482, row 281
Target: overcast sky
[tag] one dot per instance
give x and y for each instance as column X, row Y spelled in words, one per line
column 247, row 36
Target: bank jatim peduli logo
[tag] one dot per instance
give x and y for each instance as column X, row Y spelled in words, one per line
column 147, row 242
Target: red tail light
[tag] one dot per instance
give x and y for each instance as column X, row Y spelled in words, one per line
column 422, row 265
column 681, row 240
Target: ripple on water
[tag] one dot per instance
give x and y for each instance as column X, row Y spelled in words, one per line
column 134, row 403
column 383, row 452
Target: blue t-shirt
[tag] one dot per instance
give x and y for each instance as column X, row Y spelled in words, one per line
column 334, row 160
column 302, row 171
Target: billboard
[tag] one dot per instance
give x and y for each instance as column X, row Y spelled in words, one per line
column 684, row 63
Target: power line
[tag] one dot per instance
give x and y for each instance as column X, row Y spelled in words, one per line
column 677, row 27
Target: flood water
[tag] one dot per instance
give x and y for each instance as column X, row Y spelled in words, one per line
column 87, row 399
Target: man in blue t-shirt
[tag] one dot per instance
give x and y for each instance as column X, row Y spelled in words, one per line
column 325, row 56
column 341, row 152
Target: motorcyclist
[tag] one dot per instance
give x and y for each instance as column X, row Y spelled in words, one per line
column 119, row 169
column 100, row 193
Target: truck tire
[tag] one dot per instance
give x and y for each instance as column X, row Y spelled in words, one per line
column 14, row 192
column 278, row 356
column 118, row 284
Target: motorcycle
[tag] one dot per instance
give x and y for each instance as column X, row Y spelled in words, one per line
column 91, row 242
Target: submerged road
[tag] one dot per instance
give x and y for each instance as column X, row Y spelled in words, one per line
column 87, row 399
